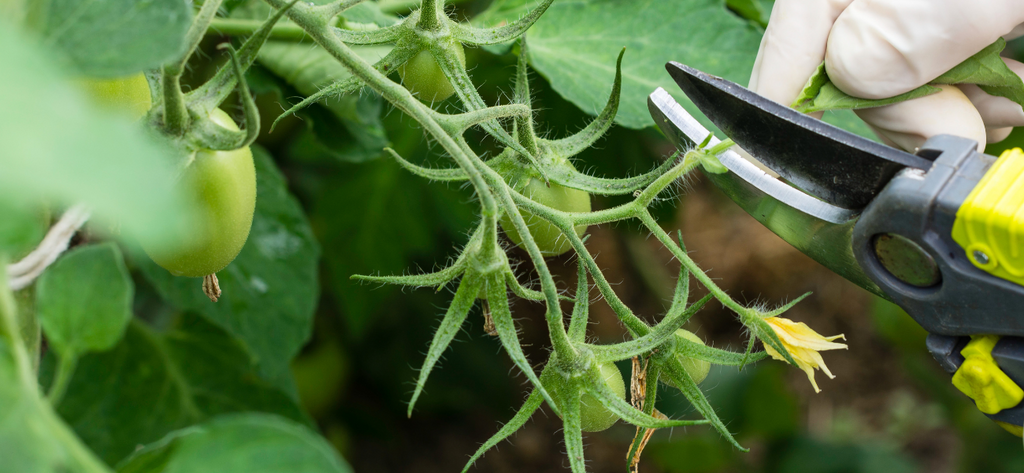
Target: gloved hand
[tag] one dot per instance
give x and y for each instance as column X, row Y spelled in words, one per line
column 880, row 48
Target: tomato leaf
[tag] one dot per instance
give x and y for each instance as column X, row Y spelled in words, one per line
column 575, row 43
column 986, row 69
column 84, row 301
column 271, row 289
column 240, row 443
column 153, row 382
column 32, row 436
column 115, row 38
column 308, row 68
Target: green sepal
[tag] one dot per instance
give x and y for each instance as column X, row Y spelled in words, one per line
column 213, row 92
column 657, row 336
column 673, row 370
column 445, row 175
column 581, row 309
column 401, row 53
column 500, row 34
column 387, row 34
column 501, row 313
column 518, row 420
column 572, row 428
column 465, row 298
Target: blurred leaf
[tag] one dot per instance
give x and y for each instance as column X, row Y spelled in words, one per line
column 308, row 68
column 241, row 443
column 84, row 301
column 33, row 439
column 575, row 43
column 807, row 455
column 21, row 228
column 55, row 145
column 376, row 218
column 114, row 38
column 152, row 383
column 752, row 10
column 700, row 453
column 271, row 289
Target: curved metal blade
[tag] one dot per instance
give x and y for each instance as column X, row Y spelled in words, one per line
column 818, row 229
column 838, row 166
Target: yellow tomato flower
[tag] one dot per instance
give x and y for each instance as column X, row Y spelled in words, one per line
column 803, row 345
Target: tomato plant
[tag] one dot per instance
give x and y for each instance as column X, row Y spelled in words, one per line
column 400, row 156
column 223, row 186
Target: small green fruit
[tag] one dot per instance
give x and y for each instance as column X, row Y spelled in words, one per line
column 424, row 78
column 697, row 369
column 549, row 238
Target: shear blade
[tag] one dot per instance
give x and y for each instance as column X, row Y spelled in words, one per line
column 832, row 164
column 817, row 228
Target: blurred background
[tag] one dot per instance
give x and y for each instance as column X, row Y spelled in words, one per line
column 889, row 409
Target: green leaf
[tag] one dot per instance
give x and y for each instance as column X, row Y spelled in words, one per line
column 55, row 145
column 115, row 38
column 385, row 234
column 752, row 10
column 240, row 443
column 986, row 69
column 575, row 43
column 152, row 383
column 829, row 97
column 271, row 289
column 84, row 301
column 33, row 439
column 308, row 68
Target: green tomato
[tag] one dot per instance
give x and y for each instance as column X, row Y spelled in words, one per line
column 594, row 417
column 697, row 369
column 223, row 186
column 549, row 238
column 128, row 95
column 424, row 78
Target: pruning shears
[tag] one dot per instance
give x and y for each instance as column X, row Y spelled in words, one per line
column 939, row 232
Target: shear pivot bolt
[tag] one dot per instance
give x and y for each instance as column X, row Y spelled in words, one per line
column 906, row 260
column 980, row 257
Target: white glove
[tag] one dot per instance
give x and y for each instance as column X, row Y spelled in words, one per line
column 880, row 48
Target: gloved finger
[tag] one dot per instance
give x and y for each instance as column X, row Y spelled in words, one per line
column 997, row 112
column 792, row 47
column 908, row 124
column 882, row 48
column 995, row 135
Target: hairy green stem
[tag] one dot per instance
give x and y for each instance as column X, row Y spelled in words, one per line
column 431, row 15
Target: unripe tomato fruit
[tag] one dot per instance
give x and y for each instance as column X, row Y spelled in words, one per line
column 424, row 78
column 697, row 369
column 223, row 186
column 549, row 238
column 127, row 94
column 594, row 417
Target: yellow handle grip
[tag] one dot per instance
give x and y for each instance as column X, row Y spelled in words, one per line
column 990, row 223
